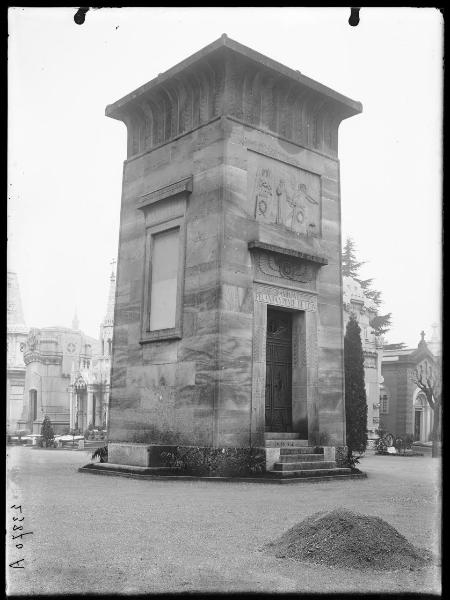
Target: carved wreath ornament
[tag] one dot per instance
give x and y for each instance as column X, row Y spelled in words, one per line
column 283, row 266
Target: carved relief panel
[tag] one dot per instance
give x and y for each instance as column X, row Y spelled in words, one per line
column 284, row 267
column 285, row 195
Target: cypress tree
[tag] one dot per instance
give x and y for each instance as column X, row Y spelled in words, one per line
column 355, row 390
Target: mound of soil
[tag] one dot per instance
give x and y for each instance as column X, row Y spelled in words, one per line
column 343, row 538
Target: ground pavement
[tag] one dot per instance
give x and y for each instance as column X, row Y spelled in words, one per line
column 99, row 534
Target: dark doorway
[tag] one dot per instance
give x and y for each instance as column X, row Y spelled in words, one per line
column 279, row 371
column 417, row 418
column 33, row 405
column 94, row 409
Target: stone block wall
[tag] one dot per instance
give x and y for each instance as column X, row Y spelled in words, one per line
column 259, row 217
column 198, row 389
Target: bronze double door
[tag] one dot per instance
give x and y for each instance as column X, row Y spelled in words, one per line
column 279, row 371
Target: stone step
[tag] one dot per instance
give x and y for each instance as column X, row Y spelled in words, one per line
column 135, row 469
column 301, row 466
column 301, row 450
column 281, row 435
column 285, row 443
column 315, row 473
column 298, row 457
column 271, row 477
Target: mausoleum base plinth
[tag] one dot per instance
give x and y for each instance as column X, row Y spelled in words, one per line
column 285, row 458
column 137, row 455
column 161, row 474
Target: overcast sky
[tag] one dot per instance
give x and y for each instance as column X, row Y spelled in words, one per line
column 66, row 157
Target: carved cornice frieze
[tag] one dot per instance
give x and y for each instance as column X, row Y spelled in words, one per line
column 273, row 262
column 46, row 359
column 228, row 79
column 312, row 258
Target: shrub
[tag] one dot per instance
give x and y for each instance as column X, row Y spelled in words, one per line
column 352, row 461
column 380, row 443
column 216, row 462
column 380, row 446
column 403, row 443
column 47, row 433
column 341, row 456
column 101, row 453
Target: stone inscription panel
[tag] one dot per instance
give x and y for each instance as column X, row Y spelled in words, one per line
column 285, row 195
column 278, row 296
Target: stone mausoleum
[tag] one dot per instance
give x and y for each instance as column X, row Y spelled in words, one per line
column 66, row 376
column 228, row 323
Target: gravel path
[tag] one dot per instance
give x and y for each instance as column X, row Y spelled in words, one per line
column 98, row 534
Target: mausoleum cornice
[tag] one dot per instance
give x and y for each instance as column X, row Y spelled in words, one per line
column 169, row 191
column 313, row 258
column 229, row 79
column 46, row 359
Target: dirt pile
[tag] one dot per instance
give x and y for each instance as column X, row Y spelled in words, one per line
column 343, row 538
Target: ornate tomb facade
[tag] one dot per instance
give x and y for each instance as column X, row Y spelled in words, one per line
column 228, row 316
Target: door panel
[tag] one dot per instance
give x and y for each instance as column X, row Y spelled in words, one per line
column 279, row 371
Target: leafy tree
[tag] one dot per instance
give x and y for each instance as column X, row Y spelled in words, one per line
column 365, row 284
column 428, row 379
column 350, row 268
column 374, row 295
column 47, row 431
column 355, row 390
column 381, row 324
